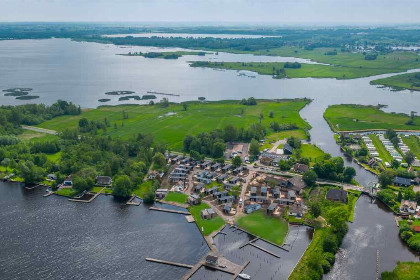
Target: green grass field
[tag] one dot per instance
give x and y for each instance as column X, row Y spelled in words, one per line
column 314, row 251
column 380, row 148
column 313, row 153
column 399, row 82
column 413, row 142
column 269, row 228
column 352, row 199
column 66, row 192
column 200, row 117
column 344, row 65
column 403, row 271
column 176, row 197
column 54, row 157
column 306, row 70
column 359, row 117
column 206, row 226
column 142, row 189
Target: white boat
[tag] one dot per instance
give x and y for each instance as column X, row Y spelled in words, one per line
column 244, row 276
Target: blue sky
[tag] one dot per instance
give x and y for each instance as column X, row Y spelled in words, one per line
column 223, row 11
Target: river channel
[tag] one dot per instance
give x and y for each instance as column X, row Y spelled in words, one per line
column 51, row 238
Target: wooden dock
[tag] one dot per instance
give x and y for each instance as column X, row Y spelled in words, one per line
column 170, row 211
column 170, row 263
column 48, row 193
column 223, row 265
column 264, row 250
column 249, row 242
column 87, row 201
column 269, row 242
column 131, row 202
column 34, row 187
column 190, row 218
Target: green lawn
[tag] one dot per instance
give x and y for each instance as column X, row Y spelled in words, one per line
column 269, row 228
column 313, row 153
column 66, row 192
column 380, row 148
column 176, row 197
column 97, row 189
column 142, row 189
column 352, row 199
column 403, row 271
column 404, row 81
column 413, row 143
column 314, row 251
column 54, row 157
column 200, row 117
column 359, row 117
column 206, row 226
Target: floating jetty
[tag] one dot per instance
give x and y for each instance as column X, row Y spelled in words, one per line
column 132, row 202
column 170, row 211
column 170, row 263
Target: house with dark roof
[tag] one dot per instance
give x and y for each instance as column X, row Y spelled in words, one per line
column 295, row 210
column 221, row 178
column 259, row 199
column 211, row 190
column 205, row 164
column 215, row 166
column 226, row 199
column 271, row 208
column 276, row 193
column 161, row 193
column 263, row 191
column 226, row 168
column 300, row 168
column 337, row 195
column 287, row 149
column 227, row 207
column 198, row 188
column 234, row 180
column 408, row 207
column 103, row 181
column 207, row 214
column 402, row 182
column 253, row 191
column 193, row 199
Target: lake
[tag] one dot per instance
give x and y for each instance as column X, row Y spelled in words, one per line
column 82, row 72
column 53, row 238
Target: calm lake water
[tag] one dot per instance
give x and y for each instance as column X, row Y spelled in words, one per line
column 53, row 238
column 106, row 240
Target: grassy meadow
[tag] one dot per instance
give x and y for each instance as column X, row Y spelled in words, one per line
column 306, row 70
column 176, row 197
column 313, row 153
column 359, row 117
column 171, row 128
column 269, row 228
column 403, row 271
column 399, row 82
column 413, row 142
column 344, row 65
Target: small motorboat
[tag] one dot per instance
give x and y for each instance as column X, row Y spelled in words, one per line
column 244, row 276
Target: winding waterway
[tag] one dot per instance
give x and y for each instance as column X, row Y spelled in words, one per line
column 106, row 240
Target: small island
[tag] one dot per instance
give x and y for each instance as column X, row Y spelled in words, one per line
column 410, row 81
column 165, row 55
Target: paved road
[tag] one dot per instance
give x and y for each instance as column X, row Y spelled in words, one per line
column 38, row 129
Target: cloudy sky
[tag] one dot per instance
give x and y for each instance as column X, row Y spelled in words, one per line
column 252, row 11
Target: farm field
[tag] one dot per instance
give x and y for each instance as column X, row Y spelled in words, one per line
column 358, row 117
column 269, row 228
column 170, row 125
column 313, row 153
column 400, row 82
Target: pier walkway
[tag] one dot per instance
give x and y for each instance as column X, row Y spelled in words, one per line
column 170, row 263
column 170, row 211
column 87, row 201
